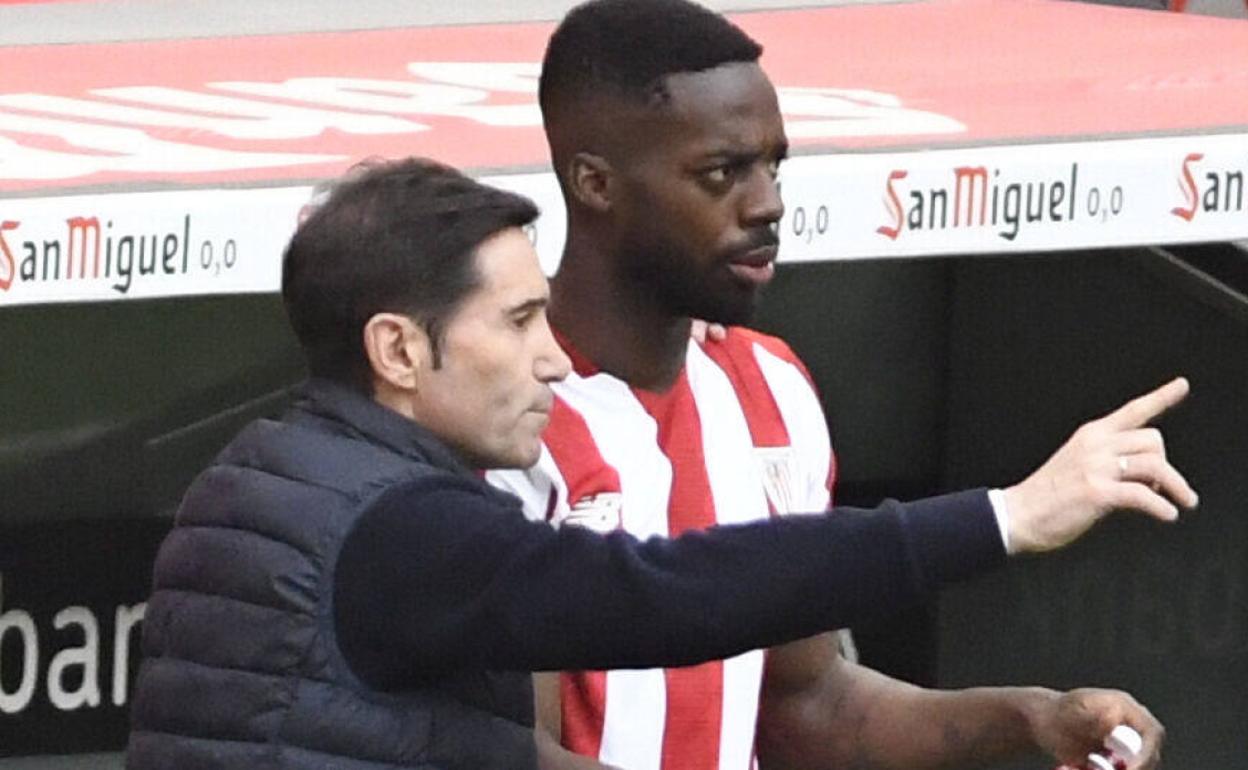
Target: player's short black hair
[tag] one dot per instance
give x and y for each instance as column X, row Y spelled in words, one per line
column 394, row 236
column 625, row 48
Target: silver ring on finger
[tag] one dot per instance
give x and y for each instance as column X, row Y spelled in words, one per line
column 1124, row 464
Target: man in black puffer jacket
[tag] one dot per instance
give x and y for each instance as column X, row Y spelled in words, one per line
column 342, row 590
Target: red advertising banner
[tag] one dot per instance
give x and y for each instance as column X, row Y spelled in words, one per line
column 896, row 76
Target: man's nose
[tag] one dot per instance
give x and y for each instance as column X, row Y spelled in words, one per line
column 762, row 204
column 552, row 364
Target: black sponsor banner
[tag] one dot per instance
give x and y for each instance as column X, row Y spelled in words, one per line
column 72, row 598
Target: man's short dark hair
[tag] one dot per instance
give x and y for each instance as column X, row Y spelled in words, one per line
column 394, row 236
column 625, row 48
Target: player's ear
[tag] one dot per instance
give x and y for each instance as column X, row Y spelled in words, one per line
column 590, row 180
column 397, row 349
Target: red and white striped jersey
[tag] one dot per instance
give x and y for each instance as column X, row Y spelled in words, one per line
column 741, row 435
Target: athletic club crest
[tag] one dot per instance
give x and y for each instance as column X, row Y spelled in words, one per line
column 777, row 467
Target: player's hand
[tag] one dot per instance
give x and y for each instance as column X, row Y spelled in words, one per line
column 702, row 331
column 1109, row 463
column 552, row 756
column 1075, row 724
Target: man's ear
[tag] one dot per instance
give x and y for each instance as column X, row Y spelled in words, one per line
column 398, row 350
column 590, row 179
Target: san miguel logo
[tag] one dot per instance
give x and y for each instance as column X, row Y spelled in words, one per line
column 1216, row 191
column 975, row 197
column 88, row 250
column 91, row 250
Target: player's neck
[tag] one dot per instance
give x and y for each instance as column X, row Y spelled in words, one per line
column 620, row 331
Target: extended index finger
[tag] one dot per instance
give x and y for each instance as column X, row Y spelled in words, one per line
column 1138, row 412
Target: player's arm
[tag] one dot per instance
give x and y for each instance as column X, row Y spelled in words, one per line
column 547, row 704
column 820, row 711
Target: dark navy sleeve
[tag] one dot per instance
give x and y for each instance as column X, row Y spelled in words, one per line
column 439, row 575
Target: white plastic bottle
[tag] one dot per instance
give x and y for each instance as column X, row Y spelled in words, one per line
column 1121, row 746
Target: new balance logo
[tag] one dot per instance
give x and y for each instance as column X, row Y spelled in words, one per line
column 599, row 513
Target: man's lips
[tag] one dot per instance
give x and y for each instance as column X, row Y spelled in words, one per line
column 756, row 257
column 544, row 405
column 542, row 417
column 756, row 266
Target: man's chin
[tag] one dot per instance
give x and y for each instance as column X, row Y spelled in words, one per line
column 521, row 458
column 511, row 458
column 737, row 311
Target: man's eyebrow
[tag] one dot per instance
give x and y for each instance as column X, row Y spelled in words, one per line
column 528, row 306
column 738, row 154
column 730, row 153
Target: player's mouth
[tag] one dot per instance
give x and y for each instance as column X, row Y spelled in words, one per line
column 544, row 406
column 756, row 266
